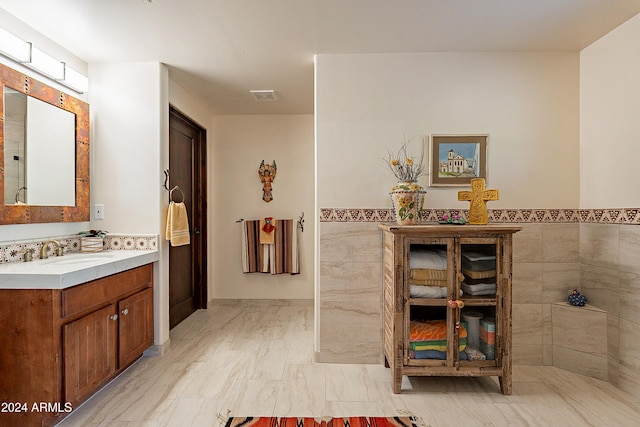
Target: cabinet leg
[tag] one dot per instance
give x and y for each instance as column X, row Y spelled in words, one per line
column 505, row 385
column 397, row 384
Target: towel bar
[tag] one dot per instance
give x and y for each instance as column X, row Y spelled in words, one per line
column 300, row 221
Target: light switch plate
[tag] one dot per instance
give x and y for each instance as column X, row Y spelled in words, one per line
column 98, row 211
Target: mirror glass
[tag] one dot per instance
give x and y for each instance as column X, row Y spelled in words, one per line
column 39, row 152
column 44, row 152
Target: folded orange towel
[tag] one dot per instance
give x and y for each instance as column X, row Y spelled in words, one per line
column 177, row 224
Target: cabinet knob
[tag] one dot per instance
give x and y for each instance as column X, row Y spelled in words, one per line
column 113, row 317
column 125, row 311
column 456, row 303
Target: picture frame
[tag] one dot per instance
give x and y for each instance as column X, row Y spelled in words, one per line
column 457, row 159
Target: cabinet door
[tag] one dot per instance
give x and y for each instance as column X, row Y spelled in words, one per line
column 482, row 286
column 136, row 326
column 89, row 353
column 429, row 283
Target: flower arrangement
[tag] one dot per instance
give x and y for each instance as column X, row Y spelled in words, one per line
column 453, row 219
column 403, row 166
column 93, row 233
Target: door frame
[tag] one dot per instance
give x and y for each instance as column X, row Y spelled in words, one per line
column 199, row 192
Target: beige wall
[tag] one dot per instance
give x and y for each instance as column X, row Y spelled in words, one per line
column 527, row 102
column 239, row 144
column 609, row 126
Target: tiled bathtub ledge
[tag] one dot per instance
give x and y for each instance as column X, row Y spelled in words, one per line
column 13, row 251
column 600, row 216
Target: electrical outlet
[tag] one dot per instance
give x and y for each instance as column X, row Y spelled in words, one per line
column 98, row 211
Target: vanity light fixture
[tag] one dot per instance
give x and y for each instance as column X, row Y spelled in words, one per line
column 264, row 95
column 26, row 54
column 45, row 64
column 13, row 47
column 75, row 80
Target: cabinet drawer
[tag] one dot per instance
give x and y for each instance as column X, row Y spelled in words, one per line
column 107, row 289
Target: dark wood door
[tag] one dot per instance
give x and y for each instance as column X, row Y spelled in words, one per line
column 187, row 263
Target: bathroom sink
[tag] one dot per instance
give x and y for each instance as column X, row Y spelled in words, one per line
column 79, row 258
column 61, row 272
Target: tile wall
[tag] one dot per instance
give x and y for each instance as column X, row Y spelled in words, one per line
column 596, row 251
column 610, row 272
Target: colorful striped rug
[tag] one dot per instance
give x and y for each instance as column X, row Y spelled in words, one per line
column 322, row 422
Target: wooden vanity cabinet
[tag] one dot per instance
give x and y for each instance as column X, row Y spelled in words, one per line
column 61, row 346
column 401, row 307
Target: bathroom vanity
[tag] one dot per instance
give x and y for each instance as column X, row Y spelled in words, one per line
column 70, row 325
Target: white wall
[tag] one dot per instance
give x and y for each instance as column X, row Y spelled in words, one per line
column 126, row 135
column 609, row 125
column 527, row 102
column 130, row 113
column 240, row 143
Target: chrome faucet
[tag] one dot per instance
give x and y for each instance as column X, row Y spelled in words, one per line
column 44, row 250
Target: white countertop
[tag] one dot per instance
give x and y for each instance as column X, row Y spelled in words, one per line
column 71, row 269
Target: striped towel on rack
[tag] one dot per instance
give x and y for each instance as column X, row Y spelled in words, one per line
column 277, row 258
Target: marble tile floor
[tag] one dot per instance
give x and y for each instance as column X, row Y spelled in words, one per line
column 255, row 358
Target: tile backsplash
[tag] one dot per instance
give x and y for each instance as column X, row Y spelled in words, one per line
column 521, row 216
column 14, row 251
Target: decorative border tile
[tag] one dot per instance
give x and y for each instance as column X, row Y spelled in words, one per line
column 14, row 251
column 598, row 216
column 131, row 242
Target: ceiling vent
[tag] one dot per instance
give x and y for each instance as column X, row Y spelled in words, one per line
column 264, row 95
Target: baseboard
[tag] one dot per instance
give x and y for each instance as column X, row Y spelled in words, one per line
column 158, row 350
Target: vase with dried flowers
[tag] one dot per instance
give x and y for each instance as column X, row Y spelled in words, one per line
column 407, row 196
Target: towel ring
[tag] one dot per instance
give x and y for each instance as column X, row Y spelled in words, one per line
column 171, row 194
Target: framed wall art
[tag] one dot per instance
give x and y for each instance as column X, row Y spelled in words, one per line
column 457, row 159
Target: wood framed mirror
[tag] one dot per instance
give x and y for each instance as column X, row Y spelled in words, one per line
column 25, row 213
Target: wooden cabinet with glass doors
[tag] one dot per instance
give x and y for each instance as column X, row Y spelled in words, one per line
column 447, row 301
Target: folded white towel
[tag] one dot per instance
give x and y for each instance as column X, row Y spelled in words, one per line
column 430, row 259
column 479, row 289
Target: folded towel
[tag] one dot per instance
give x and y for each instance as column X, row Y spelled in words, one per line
column 427, row 274
column 470, row 281
column 267, row 231
column 428, row 282
column 432, row 330
column 432, row 259
column 433, row 354
column 440, row 345
column 479, row 274
column 479, row 289
column 478, row 256
column 427, row 291
column 177, row 230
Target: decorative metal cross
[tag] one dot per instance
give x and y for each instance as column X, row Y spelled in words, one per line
column 478, row 197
